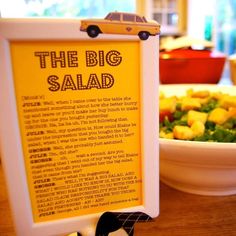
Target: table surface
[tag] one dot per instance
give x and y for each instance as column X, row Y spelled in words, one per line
column 181, row 214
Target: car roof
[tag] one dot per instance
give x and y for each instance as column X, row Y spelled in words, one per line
column 119, row 12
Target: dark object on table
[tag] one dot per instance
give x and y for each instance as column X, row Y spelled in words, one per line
column 112, row 221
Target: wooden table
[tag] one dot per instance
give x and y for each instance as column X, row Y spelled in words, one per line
column 181, row 214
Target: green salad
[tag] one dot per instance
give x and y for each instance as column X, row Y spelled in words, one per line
column 198, row 116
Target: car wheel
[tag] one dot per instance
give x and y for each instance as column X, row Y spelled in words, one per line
column 93, row 31
column 143, row 35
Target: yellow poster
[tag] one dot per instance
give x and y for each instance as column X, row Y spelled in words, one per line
column 79, row 114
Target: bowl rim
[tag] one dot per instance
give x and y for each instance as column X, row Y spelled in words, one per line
column 197, row 144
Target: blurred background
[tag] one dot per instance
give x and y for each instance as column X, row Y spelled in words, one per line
column 212, row 20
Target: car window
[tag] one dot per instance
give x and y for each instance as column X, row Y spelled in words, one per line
column 108, row 16
column 139, row 19
column 128, row 17
column 115, row 16
column 144, row 19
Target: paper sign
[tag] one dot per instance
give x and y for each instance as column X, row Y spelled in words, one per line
column 79, row 114
column 78, row 124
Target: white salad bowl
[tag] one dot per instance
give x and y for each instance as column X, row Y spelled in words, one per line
column 205, row 168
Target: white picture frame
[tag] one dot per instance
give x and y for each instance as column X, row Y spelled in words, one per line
column 10, row 137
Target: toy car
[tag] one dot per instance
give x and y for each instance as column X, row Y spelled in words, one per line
column 121, row 23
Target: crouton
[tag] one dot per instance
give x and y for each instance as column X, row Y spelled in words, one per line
column 190, row 104
column 193, row 116
column 218, row 115
column 200, row 94
column 204, row 100
column 217, row 95
column 198, row 128
column 166, row 135
column 183, row 132
column 227, row 101
column 232, row 112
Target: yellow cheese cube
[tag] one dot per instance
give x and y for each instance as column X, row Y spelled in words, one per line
column 218, row 115
column 168, row 104
column 198, row 128
column 193, row 116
